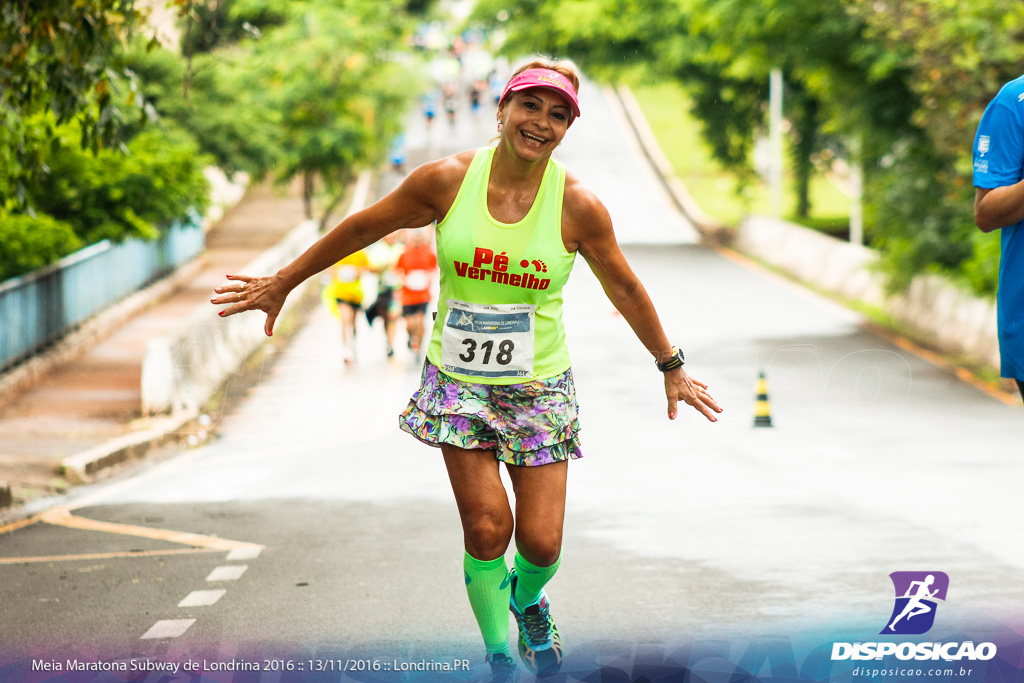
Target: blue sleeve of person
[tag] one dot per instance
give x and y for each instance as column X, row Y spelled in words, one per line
column 999, row 142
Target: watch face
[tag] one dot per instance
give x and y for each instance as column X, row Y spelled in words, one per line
column 671, row 363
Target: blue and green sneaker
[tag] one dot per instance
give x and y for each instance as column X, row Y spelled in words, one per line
column 540, row 646
column 503, row 668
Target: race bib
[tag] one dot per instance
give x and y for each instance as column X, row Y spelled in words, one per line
column 417, row 280
column 488, row 341
column 346, row 274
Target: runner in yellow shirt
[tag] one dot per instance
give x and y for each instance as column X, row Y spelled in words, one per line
column 344, row 297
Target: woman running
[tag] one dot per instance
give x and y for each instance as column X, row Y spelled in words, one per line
column 496, row 384
column 344, row 296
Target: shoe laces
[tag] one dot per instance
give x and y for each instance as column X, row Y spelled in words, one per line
column 500, row 660
column 537, row 623
column 503, row 667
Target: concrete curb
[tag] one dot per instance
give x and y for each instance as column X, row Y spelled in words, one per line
column 844, row 269
column 712, row 232
column 82, row 467
column 932, row 308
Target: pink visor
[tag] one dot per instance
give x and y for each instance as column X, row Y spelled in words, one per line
column 544, row 78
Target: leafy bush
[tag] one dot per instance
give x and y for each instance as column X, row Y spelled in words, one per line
column 29, row 243
column 981, row 271
column 923, row 222
column 111, row 195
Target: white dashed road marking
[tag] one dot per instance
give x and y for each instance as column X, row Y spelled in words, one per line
column 248, row 553
column 231, row 572
column 202, row 598
column 168, row 628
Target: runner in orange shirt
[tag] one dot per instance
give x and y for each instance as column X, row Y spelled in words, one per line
column 418, row 266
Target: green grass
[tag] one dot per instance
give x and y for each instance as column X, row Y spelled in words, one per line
column 666, row 107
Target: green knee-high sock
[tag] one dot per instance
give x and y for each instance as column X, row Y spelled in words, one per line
column 530, row 579
column 487, row 583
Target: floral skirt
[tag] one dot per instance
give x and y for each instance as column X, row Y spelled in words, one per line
column 527, row 424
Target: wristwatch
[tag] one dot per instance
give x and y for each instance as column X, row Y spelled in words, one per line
column 675, row 361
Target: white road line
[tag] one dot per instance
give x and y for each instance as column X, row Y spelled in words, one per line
column 202, row 598
column 168, row 628
column 245, row 553
column 231, row 572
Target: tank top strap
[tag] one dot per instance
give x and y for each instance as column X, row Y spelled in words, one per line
column 469, row 190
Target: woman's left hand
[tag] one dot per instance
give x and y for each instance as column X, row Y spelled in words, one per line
column 680, row 387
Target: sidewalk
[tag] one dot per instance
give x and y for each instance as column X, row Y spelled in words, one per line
column 95, row 399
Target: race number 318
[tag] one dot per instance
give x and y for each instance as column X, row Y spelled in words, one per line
column 488, row 340
column 503, row 357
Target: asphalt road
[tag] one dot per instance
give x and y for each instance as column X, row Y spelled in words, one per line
column 328, row 538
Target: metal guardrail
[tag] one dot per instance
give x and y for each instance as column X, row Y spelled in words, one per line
column 41, row 307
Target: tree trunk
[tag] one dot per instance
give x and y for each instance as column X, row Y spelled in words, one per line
column 807, row 131
column 331, row 206
column 308, row 189
column 344, row 188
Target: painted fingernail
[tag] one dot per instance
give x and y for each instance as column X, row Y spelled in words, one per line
column 221, row 314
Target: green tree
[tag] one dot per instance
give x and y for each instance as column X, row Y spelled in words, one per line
column 338, row 94
column 953, row 57
column 114, row 195
column 212, row 24
column 906, row 79
column 723, row 51
column 309, row 88
column 60, row 61
column 228, row 117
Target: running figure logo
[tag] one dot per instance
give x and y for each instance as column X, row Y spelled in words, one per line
column 917, row 594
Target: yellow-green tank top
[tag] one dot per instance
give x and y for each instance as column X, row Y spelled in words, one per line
column 499, row 317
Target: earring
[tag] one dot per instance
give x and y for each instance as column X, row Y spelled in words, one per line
column 499, row 126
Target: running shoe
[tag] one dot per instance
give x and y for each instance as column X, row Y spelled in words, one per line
column 540, row 646
column 503, row 669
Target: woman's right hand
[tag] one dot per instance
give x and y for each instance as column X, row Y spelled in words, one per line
column 247, row 293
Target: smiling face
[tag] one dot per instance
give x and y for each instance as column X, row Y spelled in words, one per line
column 534, row 121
